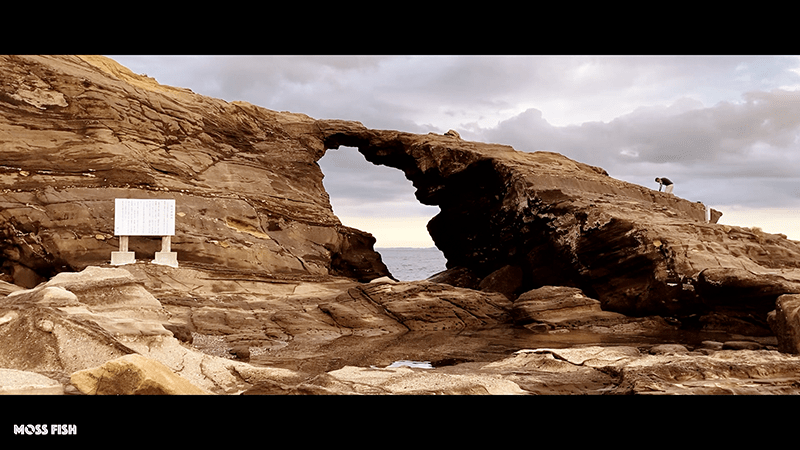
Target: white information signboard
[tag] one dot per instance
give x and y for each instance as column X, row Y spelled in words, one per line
column 144, row 217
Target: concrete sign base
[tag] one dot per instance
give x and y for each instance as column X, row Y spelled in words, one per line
column 166, row 259
column 122, row 258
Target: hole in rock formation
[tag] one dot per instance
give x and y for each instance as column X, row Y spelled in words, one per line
column 380, row 200
column 473, row 230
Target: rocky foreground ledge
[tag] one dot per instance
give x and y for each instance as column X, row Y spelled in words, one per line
column 148, row 329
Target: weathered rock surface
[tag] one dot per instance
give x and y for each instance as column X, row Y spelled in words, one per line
column 80, row 321
column 206, row 327
column 785, row 320
column 7, row 288
column 250, row 198
column 77, row 132
column 132, row 375
column 583, row 370
column 271, row 293
column 18, row 382
column 557, row 305
column 339, row 337
column 627, row 370
column 407, row 381
column 312, row 325
column 542, row 219
column 417, row 306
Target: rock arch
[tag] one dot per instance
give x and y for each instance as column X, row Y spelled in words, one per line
column 253, row 200
column 514, row 221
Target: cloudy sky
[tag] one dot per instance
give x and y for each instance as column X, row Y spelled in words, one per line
column 725, row 129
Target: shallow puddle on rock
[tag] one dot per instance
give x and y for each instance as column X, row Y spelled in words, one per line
column 415, row 364
column 432, row 350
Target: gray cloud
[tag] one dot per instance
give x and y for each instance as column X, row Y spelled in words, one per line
column 347, row 173
column 448, row 90
column 359, row 188
column 717, row 125
column 754, row 141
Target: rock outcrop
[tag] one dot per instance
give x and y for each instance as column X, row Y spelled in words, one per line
column 221, row 335
column 105, row 331
column 132, row 375
column 785, row 321
column 581, row 370
column 250, row 199
column 77, row 132
column 271, row 295
column 81, row 321
column 417, row 306
column 18, row 382
column 559, row 306
column 540, row 219
column 628, row 370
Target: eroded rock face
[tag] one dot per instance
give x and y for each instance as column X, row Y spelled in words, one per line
column 586, row 370
column 417, row 306
column 109, row 331
column 513, row 221
column 560, row 306
column 81, row 321
column 220, row 333
column 785, row 321
column 133, row 375
column 629, row 370
column 18, row 382
column 77, row 132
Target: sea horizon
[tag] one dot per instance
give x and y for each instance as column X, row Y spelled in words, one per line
column 412, row 263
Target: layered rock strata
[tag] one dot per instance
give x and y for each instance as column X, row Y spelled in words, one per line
column 513, row 221
column 557, row 306
column 206, row 328
column 106, row 331
column 544, row 219
column 78, row 131
column 92, row 327
column 132, row 375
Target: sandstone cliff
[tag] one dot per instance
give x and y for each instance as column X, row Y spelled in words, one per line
column 76, row 132
column 513, row 221
column 270, row 296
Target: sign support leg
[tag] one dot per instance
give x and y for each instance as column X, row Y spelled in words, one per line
column 123, row 256
column 166, row 257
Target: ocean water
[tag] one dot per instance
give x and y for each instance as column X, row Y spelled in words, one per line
column 411, row 264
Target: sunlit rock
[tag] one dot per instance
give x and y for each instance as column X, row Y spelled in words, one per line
column 78, row 132
column 133, row 375
column 18, row 382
